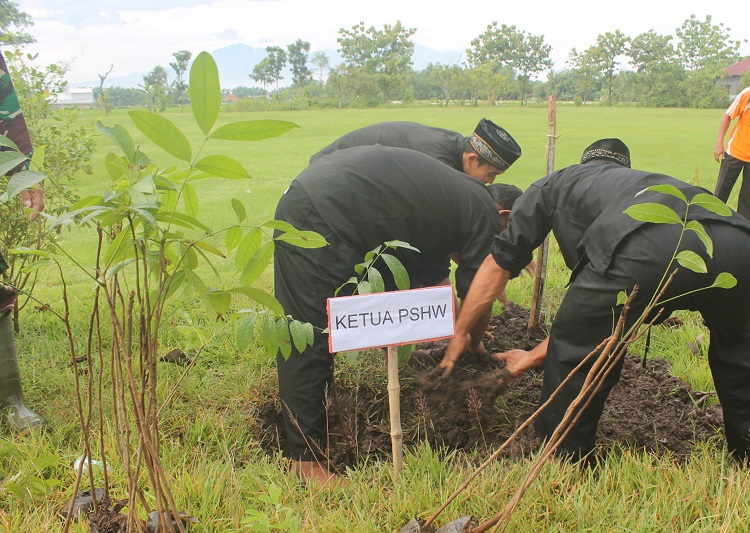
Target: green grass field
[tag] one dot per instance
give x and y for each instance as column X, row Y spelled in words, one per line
column 217, row 470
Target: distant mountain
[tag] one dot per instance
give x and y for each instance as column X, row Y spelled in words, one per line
column 236, row 63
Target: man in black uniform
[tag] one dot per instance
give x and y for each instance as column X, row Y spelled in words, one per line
column 358, row 199
column 489, row 151
column 610, row 252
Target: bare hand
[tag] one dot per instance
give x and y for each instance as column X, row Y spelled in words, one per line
column 488, row 333
column 456, row 348
column 517, row 362
column 34, row 200
column 719, row 151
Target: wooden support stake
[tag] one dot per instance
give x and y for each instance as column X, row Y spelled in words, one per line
column 540, row 277
column 394, row 404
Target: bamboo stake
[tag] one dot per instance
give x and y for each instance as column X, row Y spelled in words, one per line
column 540, row 276
column 394, row 404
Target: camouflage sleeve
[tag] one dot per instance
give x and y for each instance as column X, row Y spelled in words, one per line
column 12, row 122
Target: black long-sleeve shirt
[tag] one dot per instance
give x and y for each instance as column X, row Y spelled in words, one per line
column 583, row 205
column 444, row 145
column 368, row 195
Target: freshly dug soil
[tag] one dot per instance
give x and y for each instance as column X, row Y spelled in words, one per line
column 649, row 409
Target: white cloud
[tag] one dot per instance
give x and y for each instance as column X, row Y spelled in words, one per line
column 136, row 35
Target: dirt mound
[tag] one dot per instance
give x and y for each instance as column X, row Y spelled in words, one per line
column 649, row 409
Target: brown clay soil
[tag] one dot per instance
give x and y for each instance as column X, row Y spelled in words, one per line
column 649, row 409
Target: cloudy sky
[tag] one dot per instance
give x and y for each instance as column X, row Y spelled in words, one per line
column 136, row 35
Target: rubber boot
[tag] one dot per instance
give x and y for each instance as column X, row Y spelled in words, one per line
column 12, row 407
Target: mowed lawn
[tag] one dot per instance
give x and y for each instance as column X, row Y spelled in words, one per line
column 218, row 471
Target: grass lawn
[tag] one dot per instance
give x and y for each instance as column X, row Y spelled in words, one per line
column 218, row 472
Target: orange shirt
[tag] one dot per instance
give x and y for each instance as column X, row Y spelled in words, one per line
column 739, row 140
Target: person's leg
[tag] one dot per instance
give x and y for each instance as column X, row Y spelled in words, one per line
column 726, row 313
column 588, row 315
column 743, row 202
column 303, row 280
column 11, row 394
column 728, row 172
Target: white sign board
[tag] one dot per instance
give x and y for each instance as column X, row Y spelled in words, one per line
column 390, row 318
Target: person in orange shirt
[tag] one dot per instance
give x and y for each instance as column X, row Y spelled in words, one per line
column 735, row 157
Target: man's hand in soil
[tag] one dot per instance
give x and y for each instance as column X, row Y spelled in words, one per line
column 519, row 362
column 313, row 471
column 457, row 347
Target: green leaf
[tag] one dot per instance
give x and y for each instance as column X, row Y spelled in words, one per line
column 692, row 261
column 711, row 203
column 116, row 268
column 220, row 301
column 36, row 265
column 6, row 141
column 655, row 213
column 280, row 225
column 233, row 237
column 252, row 130
column 351, row 281
column 299, row 335
column 116, row 166
column 400, row 244
column 363, row 287
column 400, row 275
column 622, row 297
column 282, row 338
column 262, row 297
column 404, row 354
column 120, row 136
column 303, row 239
column 203, row 245
column 245, row 332
column 257, row 264
column 205, row 91
column 181, row 219
column 163, row 133
column 666, row 189
column 247, row 247
column 10, row 160
column 239, row 210
column 376, row 280
column 190, row 198
column 697, row 227
column 269, row 334
column 222, row 166
column 724, row 280
column 309, row 332
column 21, row 181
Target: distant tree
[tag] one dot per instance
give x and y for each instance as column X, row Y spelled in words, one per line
column 276, row 61
column 179, row 85
column 124, row 97
column 321, row 62
column 610, row 47
column 247, row 92
column 263, row 73
column 386, row 54
column 531, row 56
column 102, row 92
column 13, row 24
column 447, row 78
column 585, row 70
column 494, row 48
column 657, row 73
column 297, row 57
column 704, row 50
column 155, row 85
column 705, row 45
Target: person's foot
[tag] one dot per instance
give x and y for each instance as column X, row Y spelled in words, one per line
column 315, row 472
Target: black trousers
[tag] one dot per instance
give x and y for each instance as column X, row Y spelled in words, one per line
column 728, row 173
column 588, row 313
column 303, row 280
